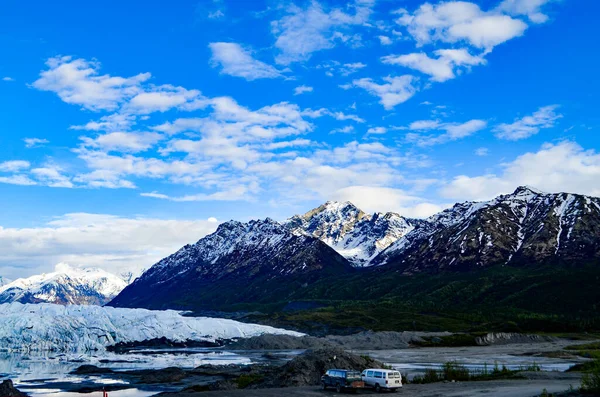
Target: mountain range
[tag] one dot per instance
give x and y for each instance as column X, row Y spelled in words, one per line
column 65, row 286
column 336, row 250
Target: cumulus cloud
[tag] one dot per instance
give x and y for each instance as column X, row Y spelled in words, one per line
column 376, row 199
column 237, row 61
column 394, row 91
column 562, row 167
column 460, row 21
column 52, row 176
column 78, row 82
column 17, row 179
column 544, row 117
column 384, row 40
column 442, row 68
column 165, row 97
column 302, row 89
column 131, row 142
column 14, row 166
column 482, row 151
column 90, row 240
column 453, row 131
column 530, row 8
column 303, row 31
column 111, row 122
column 377, row 130
column 349, row 68
column 35, row 142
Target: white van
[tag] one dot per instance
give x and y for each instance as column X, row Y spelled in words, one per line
column 381, row 379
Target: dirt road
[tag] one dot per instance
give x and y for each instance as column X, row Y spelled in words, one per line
column 513, row 388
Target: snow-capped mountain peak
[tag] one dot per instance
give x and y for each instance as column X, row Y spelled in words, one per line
column 357, row 236
column 67, row 285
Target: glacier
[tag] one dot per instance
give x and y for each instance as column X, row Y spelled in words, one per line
column 74, row 328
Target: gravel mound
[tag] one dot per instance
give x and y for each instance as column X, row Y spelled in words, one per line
column 7, row 389
column 307, row 369
column 279, row 342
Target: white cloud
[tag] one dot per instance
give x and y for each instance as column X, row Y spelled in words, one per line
column 109, row 179
column 544, row 117
column 237, row 193
column 52, row 176
column 384, row 40
column 304, row 31
column 531, row 8
column 455, row 21
column 343, row 130
column 17, row 179
column 563, row 167
column 7, row 78
column 131, row 142
column 375, row 199
column 165, row 97
column 454, row 131
column 341, row 116
column 14, row 166
column 343, row 69
column 112, row 122
column 90, row 240
column 237, row 61
column 302, row 89
column 482, row 152
column 287, row 144
column 440, row 69
column 394, row 91
column 377, row 130
column 350, row 68
column 35, row 142
column 216, row 14
column 78, row 82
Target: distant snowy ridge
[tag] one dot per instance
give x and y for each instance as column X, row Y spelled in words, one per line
column 66, row 286
column 48, row 327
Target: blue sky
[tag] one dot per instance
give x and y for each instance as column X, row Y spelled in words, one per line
column 143, row 125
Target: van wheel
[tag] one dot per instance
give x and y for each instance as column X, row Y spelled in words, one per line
column 323, row 386
column 338, row 388
column 377, row 388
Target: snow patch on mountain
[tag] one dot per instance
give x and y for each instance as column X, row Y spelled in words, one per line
column 49, row 327
column 67, row 285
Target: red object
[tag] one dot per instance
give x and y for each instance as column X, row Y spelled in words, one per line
column 104, row 393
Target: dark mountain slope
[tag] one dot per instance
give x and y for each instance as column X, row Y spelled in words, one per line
column 258, row 261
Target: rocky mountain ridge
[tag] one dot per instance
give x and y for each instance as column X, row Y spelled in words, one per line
column 267, row 261
column 527, row 227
